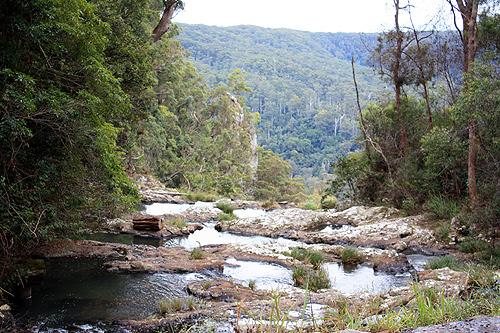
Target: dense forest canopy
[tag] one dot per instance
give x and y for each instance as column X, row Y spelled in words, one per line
column 302, row 86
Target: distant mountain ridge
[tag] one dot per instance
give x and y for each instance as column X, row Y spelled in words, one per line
column 302, row 86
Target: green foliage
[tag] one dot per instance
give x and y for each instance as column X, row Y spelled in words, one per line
column 200, row 196
column 62, row 108
column 251, row 284
column 274, row 180
column 178, row 222
column 301, row 82
column 178, row 304
column 443, row 261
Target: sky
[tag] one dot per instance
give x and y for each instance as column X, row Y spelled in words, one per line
column 311, row 15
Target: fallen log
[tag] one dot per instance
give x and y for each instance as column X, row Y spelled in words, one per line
column 152, row 223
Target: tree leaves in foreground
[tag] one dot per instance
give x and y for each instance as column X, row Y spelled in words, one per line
column 62, row 96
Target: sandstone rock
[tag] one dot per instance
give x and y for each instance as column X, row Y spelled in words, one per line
column 222, row 290
column 59, row 248
column 172, row 260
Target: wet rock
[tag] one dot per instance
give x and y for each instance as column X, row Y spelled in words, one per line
column 222, row 290
column 445, row 274
column 475, row 325
column 167, row 230
column 171, row 260
column 60, row 248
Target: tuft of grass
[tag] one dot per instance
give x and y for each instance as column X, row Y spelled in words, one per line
column 473, row 246
column 178, row 304
column 310, row 279
column 443, row 207
column 479, row 274
column 170, row 305
column 442, row 262
column 197, row 253
column 351, row 255
column 226, row 207
column 226, row 217
column 207, row 284
column 314, row 257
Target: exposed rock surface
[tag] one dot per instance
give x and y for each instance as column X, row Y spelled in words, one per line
column 473, row 325
column 222, row 290
column 59, row 248
column 172, row 260
column 369, row 226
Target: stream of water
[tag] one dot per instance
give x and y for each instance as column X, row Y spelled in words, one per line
column 81, row 292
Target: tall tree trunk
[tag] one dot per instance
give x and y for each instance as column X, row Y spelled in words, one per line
column 468, row 10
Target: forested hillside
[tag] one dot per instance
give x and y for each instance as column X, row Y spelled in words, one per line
column 302, row 86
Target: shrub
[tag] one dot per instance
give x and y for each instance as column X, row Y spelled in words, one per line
column 351, row 255
column 329, row 203
column 251, row 284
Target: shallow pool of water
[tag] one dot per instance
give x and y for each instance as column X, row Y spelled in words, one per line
column 265, row 275
column 81, row 291
column 361, row 278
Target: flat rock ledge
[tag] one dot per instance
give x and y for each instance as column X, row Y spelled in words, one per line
column 380, row 227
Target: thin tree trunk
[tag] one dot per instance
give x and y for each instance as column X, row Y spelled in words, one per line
column 397, row 79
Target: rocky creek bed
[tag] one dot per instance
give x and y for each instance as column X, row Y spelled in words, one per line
column 130, row 277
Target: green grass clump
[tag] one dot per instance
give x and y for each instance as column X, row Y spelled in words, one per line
column 226, row 207
column 314, row 257
column 473, row 246
column 170, row 305
column 311, row 279
column 197, row 253
column 226, row 217
column 351, row 255
column 442, row 262
column 178, row 222
column 178, row 304
column 443, row 207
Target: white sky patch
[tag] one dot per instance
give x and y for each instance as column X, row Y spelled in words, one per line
column 314, row 15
